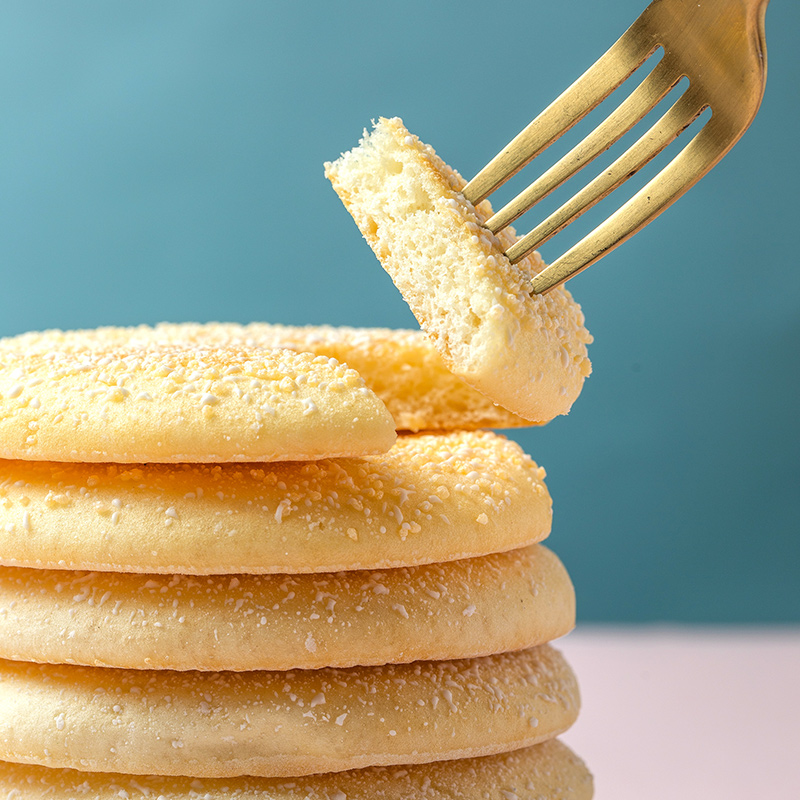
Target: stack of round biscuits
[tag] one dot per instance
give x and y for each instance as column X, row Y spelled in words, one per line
column 224, row 574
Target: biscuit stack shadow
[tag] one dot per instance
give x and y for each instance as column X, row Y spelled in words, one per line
column 345, row 627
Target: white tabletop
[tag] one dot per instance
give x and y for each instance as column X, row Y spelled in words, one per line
column 672, row 713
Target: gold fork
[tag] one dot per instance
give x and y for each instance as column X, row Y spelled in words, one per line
column 719, row 45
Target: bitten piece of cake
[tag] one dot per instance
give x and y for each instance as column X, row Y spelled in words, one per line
column 525, row 352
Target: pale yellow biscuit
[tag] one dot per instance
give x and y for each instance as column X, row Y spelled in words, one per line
column 401, row 366
column 527, row 353
column 546, row 771
column 474, row 607
column 276, row 724
column 431, row 498
column 174, row 404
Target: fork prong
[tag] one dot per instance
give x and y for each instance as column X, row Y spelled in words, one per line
column 704, row 150
column 681, row 114
column 605, row 75
column 640, row 102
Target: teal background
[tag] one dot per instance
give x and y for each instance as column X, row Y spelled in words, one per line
column 163, row 161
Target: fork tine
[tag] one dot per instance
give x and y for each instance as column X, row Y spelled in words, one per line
column 695, row 160
column 586, row 93
column 641, row 101
column 665, row 130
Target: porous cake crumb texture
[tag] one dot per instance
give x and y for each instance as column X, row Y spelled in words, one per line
column 527, row 353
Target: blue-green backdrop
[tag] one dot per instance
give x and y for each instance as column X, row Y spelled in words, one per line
column 163, row 161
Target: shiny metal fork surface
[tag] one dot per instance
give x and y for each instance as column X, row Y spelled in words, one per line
column 718, row 45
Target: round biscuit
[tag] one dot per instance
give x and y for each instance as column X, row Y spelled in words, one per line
column 174, row 403
column 526, row 352
column 468, row 608
column 401, row 366
column 546, row 771
column 431, row 498
column 277, row 724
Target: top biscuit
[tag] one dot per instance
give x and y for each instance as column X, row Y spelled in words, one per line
column 401, row 366
column 172, row 404
column 525, row 352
